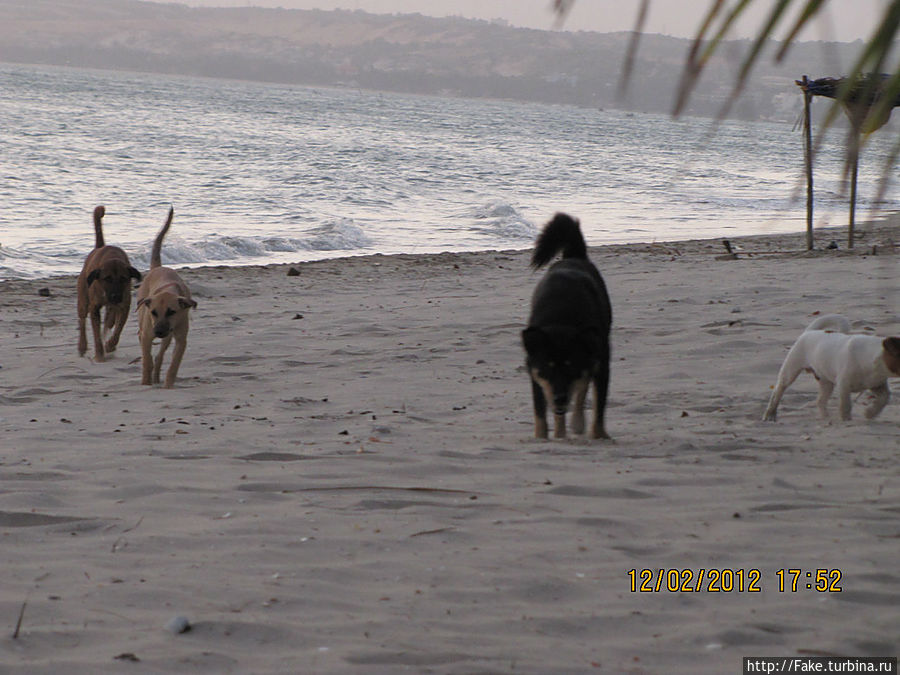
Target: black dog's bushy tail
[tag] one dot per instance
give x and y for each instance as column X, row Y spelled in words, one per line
column 99, row 212
column 560, row 234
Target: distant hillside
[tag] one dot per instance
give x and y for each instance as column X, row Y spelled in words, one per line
column 404, row 53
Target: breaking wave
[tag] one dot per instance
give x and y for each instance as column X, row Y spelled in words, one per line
column 501, row 221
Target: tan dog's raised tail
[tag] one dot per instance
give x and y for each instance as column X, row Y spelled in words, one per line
column 163, row 302
column 105, row 281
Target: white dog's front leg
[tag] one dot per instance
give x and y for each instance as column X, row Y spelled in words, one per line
column 845, row 402
column 825, row 390
column 882, row 396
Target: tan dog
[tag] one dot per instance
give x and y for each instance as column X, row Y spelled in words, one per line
column 163, row 302
column 105, row 281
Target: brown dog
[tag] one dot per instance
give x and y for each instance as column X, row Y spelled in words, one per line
column 105, row 281
column 163, row 302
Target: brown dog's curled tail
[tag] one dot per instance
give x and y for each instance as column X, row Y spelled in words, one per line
column 99, row 212
column 156, row 255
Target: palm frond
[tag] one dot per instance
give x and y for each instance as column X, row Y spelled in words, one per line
column 631, row 54
column 753, row 55
column 718, row 21
column 811, row 9
column 696, row 60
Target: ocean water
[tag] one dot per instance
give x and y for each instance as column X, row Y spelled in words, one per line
column 261, row 173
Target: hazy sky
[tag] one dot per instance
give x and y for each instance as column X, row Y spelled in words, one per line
column 844, row 20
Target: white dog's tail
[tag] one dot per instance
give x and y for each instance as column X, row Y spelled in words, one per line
column 831, row 322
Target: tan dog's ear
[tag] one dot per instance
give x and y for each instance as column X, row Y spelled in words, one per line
column 892, row 346
column 185, row 303
column 143, row 303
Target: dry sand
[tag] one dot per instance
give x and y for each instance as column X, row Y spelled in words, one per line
column 343, row 479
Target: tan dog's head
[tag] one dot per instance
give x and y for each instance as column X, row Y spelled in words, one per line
column 167, row 311
column 891, row 354
column 114, row 278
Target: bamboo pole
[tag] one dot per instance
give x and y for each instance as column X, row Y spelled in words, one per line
column 854, row 172
column 808, row 152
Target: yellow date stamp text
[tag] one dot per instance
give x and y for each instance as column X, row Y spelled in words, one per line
column 731, row 580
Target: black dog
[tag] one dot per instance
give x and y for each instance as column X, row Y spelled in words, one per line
column 567, row 339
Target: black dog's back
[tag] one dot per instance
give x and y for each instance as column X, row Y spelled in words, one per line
column 572, row 292
column 561, row 234
column 567, row 338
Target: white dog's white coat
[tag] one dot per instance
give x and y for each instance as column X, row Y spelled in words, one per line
column 839, row 360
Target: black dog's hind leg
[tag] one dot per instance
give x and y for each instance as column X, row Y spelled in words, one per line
column 540, row 410
column 581, row 388
column 601, row 390
column 559, row 425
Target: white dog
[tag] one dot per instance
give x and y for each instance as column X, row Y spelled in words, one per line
column 851, row 363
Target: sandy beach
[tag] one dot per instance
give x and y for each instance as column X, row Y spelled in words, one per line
column 344, row 478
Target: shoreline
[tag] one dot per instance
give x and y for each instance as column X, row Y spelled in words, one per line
column 881, row 232
column 344, row 478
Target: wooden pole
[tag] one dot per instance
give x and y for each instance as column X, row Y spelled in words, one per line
column 854, row 171
column 808, row 151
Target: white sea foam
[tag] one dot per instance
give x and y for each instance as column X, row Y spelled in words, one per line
column 501, row 222
column 340, row 235
column 337, row 236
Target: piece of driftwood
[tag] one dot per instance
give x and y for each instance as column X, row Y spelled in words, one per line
column 15, row 635
column 733, row 253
